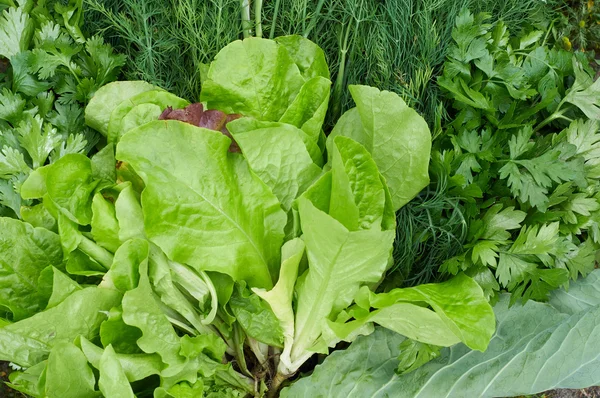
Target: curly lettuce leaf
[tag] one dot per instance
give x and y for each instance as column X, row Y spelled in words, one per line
column 199, row 197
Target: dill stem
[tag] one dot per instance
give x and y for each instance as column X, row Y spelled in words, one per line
column 148, row 42
column 339, row 81
column 313, row 20
column 219, row 14
column 304, row 8
column 246, row 25
column 258, row 17
column 274, row 21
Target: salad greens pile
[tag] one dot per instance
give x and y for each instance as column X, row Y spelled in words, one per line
column 52, row 71
column 211, row 249
column 229, row 246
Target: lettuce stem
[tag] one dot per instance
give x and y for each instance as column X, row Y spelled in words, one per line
column 100, row 254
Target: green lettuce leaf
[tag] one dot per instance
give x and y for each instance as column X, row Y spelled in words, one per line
column 113, row 381
column 277, row 154
column 254, row 77
column 55, row 284
column 308, row 56
column 281, row 296
column 140, row 109
column 70, row 186
column 135, row 366
column 29, row 341
column 129, row 214
column 357, row 191
column 536, row 347
column 107, row 98
column 256, row 317
column 459, row 313
column 170, row 280
column 104, row 164
column 309, row 108
column 190, row 218
column 339, row 262
column 39, row 216
column 395, row 135
column 31, row 381
column 124, row 274
column 25, row 252
column 114, row 331
column 68, row 374
column 105, row 227
column 140, row 309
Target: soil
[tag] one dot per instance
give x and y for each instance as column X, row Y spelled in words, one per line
column 592, row 392
column 5, row 391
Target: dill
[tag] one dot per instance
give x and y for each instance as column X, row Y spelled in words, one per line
column 166, row 41
column 430, row 230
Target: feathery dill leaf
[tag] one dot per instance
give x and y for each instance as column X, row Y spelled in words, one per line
column 167, row 41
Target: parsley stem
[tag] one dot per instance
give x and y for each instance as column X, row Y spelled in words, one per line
column 558, row 114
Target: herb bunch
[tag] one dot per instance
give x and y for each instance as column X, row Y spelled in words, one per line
column 51, row 71
column 523, row 149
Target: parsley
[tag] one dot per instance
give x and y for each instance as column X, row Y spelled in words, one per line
column 53, row 72
column 525, row 150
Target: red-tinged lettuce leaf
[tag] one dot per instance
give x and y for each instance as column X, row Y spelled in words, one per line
column 190, row 114
column 195, row 115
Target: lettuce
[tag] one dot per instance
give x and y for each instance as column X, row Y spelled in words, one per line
column 230, row 240
column 536, row 347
